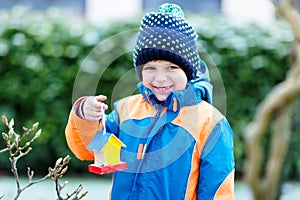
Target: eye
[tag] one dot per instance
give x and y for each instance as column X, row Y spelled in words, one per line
column 173, row 67
column 148, row 68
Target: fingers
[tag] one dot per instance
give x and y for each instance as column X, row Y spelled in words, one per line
column 93, row 107
column 100, row 98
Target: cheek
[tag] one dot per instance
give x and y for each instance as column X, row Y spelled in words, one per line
column 181, row 85
column 148, row 75
column 146, row 78
column 180, row 81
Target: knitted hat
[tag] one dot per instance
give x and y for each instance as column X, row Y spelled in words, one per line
column 165, row 35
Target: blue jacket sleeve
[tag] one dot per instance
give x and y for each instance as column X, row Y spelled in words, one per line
column 216, row 177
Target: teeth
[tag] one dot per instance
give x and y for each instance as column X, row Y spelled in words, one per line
column 163, row 88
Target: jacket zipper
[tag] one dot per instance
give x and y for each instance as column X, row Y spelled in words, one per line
column 159, row 110
column 156, row 117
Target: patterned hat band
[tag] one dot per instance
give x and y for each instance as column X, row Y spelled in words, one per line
column 157, row 43
column 150, row 54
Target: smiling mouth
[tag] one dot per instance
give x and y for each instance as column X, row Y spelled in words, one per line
column 162, row 89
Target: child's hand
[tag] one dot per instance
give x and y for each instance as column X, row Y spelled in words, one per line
column 92, row 107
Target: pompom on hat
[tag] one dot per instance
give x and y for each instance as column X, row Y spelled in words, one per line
column 165, row 35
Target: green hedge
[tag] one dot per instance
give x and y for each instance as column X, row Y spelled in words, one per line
column 42, row 54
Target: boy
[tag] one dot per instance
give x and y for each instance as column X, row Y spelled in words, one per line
column 178, row 145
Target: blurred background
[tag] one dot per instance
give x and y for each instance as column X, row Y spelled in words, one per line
column 44, row 43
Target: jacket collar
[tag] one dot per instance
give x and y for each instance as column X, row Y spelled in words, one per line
column 196, row 91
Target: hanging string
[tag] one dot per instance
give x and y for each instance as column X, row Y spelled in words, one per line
column 103, row 118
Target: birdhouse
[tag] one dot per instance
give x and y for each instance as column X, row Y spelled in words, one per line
column 107, row 149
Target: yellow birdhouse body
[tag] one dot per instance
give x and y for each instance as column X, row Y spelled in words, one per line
column 112, row 149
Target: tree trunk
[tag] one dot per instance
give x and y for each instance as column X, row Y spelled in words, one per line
column 275, row 110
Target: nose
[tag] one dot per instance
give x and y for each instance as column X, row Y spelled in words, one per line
column 161, row 76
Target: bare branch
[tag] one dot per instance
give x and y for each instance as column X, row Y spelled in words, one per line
column 3, row 150
column 16, row 151
column 291, row 15
column 13, row 141
column 30, row 183
column 60, row 168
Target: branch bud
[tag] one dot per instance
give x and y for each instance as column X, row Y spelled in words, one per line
column 64, row 170
column 35, row 125
column 58, row 161
column 30, row 173
column 66, row 160
column 27, row 144
column 11, row 123
column 4, row 119
column 38, row 134
column 5, row 136
column 11, row 132
column 50, row 170
column 16, row 144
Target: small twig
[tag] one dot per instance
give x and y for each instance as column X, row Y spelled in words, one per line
column 30, row 175
column 60, row 168
column 3, row 150
column 76, row 193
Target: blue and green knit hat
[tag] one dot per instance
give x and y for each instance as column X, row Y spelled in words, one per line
column 165, row 35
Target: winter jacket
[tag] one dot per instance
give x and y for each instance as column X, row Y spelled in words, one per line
column 179, row 149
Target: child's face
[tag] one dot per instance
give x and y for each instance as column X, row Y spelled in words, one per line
column 162, row 77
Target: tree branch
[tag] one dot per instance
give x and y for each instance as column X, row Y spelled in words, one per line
column 276, row 106
column 291, row 15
